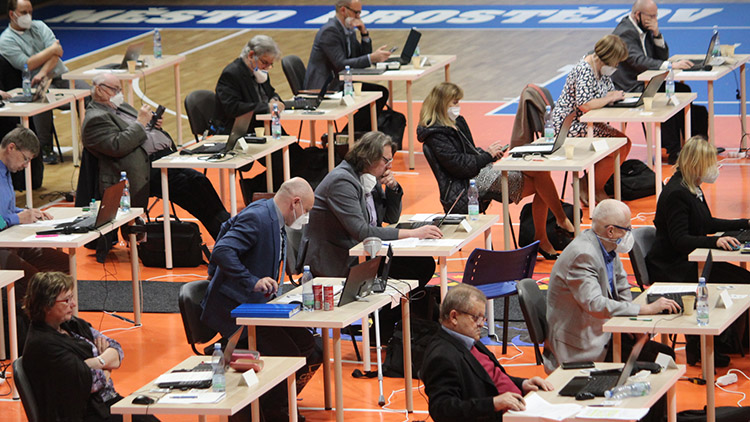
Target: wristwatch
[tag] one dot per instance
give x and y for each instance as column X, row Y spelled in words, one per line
column 99, row 358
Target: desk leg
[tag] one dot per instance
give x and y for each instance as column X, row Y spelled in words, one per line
column 223, row 186
column 338, row 374
column 269, row 173
column 312, row 133
column 350, row 131
column 406, row 332
column 167, row 225
column 130, row 90
column 688, row 122
column 592, row 190
column 448, row 72
column 27, row 173
column 252, row 345
column 3, row 356
column 701, row 264
column 255, row 411
column 576, row 202
column 743, row 106
column 506, row 210
column 488, row 238
column 178, row 103
column 135, row 272
column 287, row 166
column 410, row 123
column 616, row 347
column 127, row 418
column 390, row 94
column 81, row 117
column 330, row 146
column 374, row 117
column 74, row 275
column 13, row 340
column 443, row 264
column 365, row 321
column 672, row 404
column 618, row 187
column 74, row 126
column 291, row 392
column 650, row 147
column 326, row 369
column 657, row 157
column 233, row 191
column 708, row 362
column 711, row 125
column 591, row 130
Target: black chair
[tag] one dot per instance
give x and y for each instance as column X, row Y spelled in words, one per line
column 534, row 308
column 200, row 106
column 294, row 70
column 24, row 390
column 191, row 295
column 644, row 238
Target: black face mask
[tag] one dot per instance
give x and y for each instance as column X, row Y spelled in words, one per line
column 640, row 25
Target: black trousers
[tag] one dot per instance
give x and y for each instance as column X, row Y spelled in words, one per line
column 673, row 130
column 194, row 192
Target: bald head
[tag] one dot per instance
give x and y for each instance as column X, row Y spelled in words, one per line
column 294, row 198
column 610, row 212
column 647, row 6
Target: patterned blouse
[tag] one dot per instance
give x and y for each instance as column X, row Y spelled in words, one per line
column 100, row 383
column 582, row 86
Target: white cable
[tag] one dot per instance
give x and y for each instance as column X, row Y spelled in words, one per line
column 119, row 329
column 200, row 277
column 520, row 353
column 388, row 402
column 641, row 216
column 744, row 396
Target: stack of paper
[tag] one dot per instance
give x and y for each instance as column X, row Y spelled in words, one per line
column 537, row 407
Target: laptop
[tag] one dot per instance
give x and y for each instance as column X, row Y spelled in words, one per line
column 677, row 296
column 366, row 71
column 546, row 148
column 106, row 214
column 379, row 283
column 409, row 48
column 437, row 221
column 302, row 103
column 359, row 280
column 131, row 54
column 705, row 64
column 597, row 382
column 632, row 102
column 37, row 96
column 239, row 130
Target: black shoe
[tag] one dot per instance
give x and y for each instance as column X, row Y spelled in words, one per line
column 549, row 256
column 50, row 158
column 694, row 356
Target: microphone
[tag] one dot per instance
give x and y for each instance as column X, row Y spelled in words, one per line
column 372, row 245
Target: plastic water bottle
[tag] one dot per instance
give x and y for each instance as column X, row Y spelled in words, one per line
column 26, row 80
column 549, row 127
column 276, row 123
column 669, row 85
column 157, row 44
column 636, row 389
column 218, row 380
column 717, row 46
column 308, row 299
column 125, row 198
column 92, row 208
column 348, row 84
column 701, row 307
column 473, row 200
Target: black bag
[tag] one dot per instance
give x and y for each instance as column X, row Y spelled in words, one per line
column 392, row 123
column 421, row 333
column 637, row 181
column 557, row 239
column 723, row 414
column 187, row 244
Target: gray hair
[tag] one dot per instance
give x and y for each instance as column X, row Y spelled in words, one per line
column 458, row 298
column 342, row 3
column 261, row 45
column 97, row 80
column 608, row 212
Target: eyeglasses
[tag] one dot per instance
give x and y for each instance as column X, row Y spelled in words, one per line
column 478, row 318
column 356, row 12
column 116, row 90
column 265, row 63
column 387, row 160
column 26, row 159
column 68, row 300
column 627, row 229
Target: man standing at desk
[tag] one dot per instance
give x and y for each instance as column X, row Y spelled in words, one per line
column 462, row 378
column 122, row 139
column 244, row 268
column 336, row 46
column 648, row 50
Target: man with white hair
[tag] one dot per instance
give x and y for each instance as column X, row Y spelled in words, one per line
column 588, row 285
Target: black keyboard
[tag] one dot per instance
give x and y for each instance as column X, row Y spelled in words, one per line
column 601, row 383
column 677, row 297
column 199, row 376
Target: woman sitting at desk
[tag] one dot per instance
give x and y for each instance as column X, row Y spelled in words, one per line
column 589, row 87
column 455, row 159
column 68, row 362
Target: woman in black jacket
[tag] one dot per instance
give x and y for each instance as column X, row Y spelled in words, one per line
column 454, row 159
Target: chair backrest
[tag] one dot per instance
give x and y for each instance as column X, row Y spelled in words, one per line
column 294, row 70
column 24, row 391
column 191, row 295
column 534, row 309
column 644, row 238
column 199, row 106
column 485, row 266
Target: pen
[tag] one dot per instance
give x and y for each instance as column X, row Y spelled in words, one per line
column 640, row 319
column 46, row 235
column 184, row 397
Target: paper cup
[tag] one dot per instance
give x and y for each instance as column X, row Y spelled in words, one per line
column 727, row 50
column 357, row 89
column 648, row 104
column 569, row 151
column 688, row 302
column 416, row 62
column 260, row 131
column 131, row 66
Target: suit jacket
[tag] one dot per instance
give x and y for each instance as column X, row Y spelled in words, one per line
column 237, row 93
column 458, row 387
column 683, row 223
column 579, row 302
column 638, row 60
column 330, row 55
column 247, row 249
column 339, row 220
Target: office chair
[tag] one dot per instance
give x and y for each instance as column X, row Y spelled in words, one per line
column 191, row 295
column 644, row 238
column 534, row 309
column 294, row 70
column 200, row 106
column 24, row 391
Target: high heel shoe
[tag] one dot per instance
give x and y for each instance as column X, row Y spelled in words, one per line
column 549, row 256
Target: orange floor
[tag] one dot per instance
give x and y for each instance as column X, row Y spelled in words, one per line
column 160, row 342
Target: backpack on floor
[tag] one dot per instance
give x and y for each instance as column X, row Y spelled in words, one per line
column 558, row 239
column 637, row 181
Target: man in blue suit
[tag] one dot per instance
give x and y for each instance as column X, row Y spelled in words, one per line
column 245, row 268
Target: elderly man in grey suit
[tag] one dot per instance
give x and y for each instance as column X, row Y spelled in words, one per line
column 588, row 285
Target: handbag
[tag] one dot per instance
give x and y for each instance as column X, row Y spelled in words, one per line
column 188, row 248
column 637, row 180
column 557, row 238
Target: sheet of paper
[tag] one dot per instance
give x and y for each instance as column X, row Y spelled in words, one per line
column 424, row 217
column 439, row 242
column 617, row 413
column 95, row 71
column 51, row 237
column 203, row 397
column 49, row 223
column 537, row 407
column 672, row 288
column 409, row 242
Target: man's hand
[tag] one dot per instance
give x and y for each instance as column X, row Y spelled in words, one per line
column 279, row 104
column 380, row 55
column 426, row 232
column 508, row 401
column 357, row 23
column 613, row 96
column 37, row 79
column 4, row 95
column 144, row 115
column 266, row 285
column 651, row 23
column 682, row 64
column 535, row 383
column 661, row 304
column 158, row 123
column 728, row 243
column 496, row 150
column 388, row 179
column 31, row 216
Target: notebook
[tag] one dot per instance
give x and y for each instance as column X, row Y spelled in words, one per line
column 653, row 85
column 438, row 221
column 37, row 96
column 358, row 280
column 546, row 148
column 705, row 64
column 302, row 103
column 412, row 41
column 239, row 129
column 597, row 382
column 106, row 214
column 132, row 53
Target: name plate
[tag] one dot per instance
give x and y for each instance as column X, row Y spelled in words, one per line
column 599, row 146
column 347, row 100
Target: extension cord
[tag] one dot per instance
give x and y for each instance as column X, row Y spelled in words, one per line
column 727, row 379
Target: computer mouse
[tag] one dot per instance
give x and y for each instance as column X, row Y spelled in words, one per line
column 583, row 395
column 143, row 400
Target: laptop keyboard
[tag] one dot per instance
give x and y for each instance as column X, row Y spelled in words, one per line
column 741, row 235
column 601, row 383
column 198, row 377
column 677, row 297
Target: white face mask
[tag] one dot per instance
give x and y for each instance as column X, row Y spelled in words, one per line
column 24, row 21
column 712, row 175
column 261, row 76
column 299, row 221
column 454, row 112
column 117, row 100
column 348, row 22
column 625, row 244
column 368, row 182
column 608, row 70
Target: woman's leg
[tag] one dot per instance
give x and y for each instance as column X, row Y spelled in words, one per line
column 545, row 189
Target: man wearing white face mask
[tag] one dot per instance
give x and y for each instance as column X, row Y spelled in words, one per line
column 244, row 85
column 588, row 285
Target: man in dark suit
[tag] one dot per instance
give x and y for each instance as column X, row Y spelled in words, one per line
column 244, row 85
column 244, row 268
column 336, row 46
column 462, row 378
column 648, row 50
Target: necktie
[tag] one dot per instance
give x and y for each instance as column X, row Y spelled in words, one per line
column 283, row 256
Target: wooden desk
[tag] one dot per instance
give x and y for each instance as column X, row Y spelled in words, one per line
column 332, row 111
column 275, row 370
column 719, row 320
column 718, row 255
column 253, row 153
column 483, row 225
column 661, row 383
column 409, row 74
column 27, row 110
column 127, row 79
column 8, row 280
column 716, row 73
column 15, row 237
column 584, row 158
column 337, row 319
column 660, row 113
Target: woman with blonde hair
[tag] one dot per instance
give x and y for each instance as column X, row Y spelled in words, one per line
column 455, row 159
column 589, row 87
